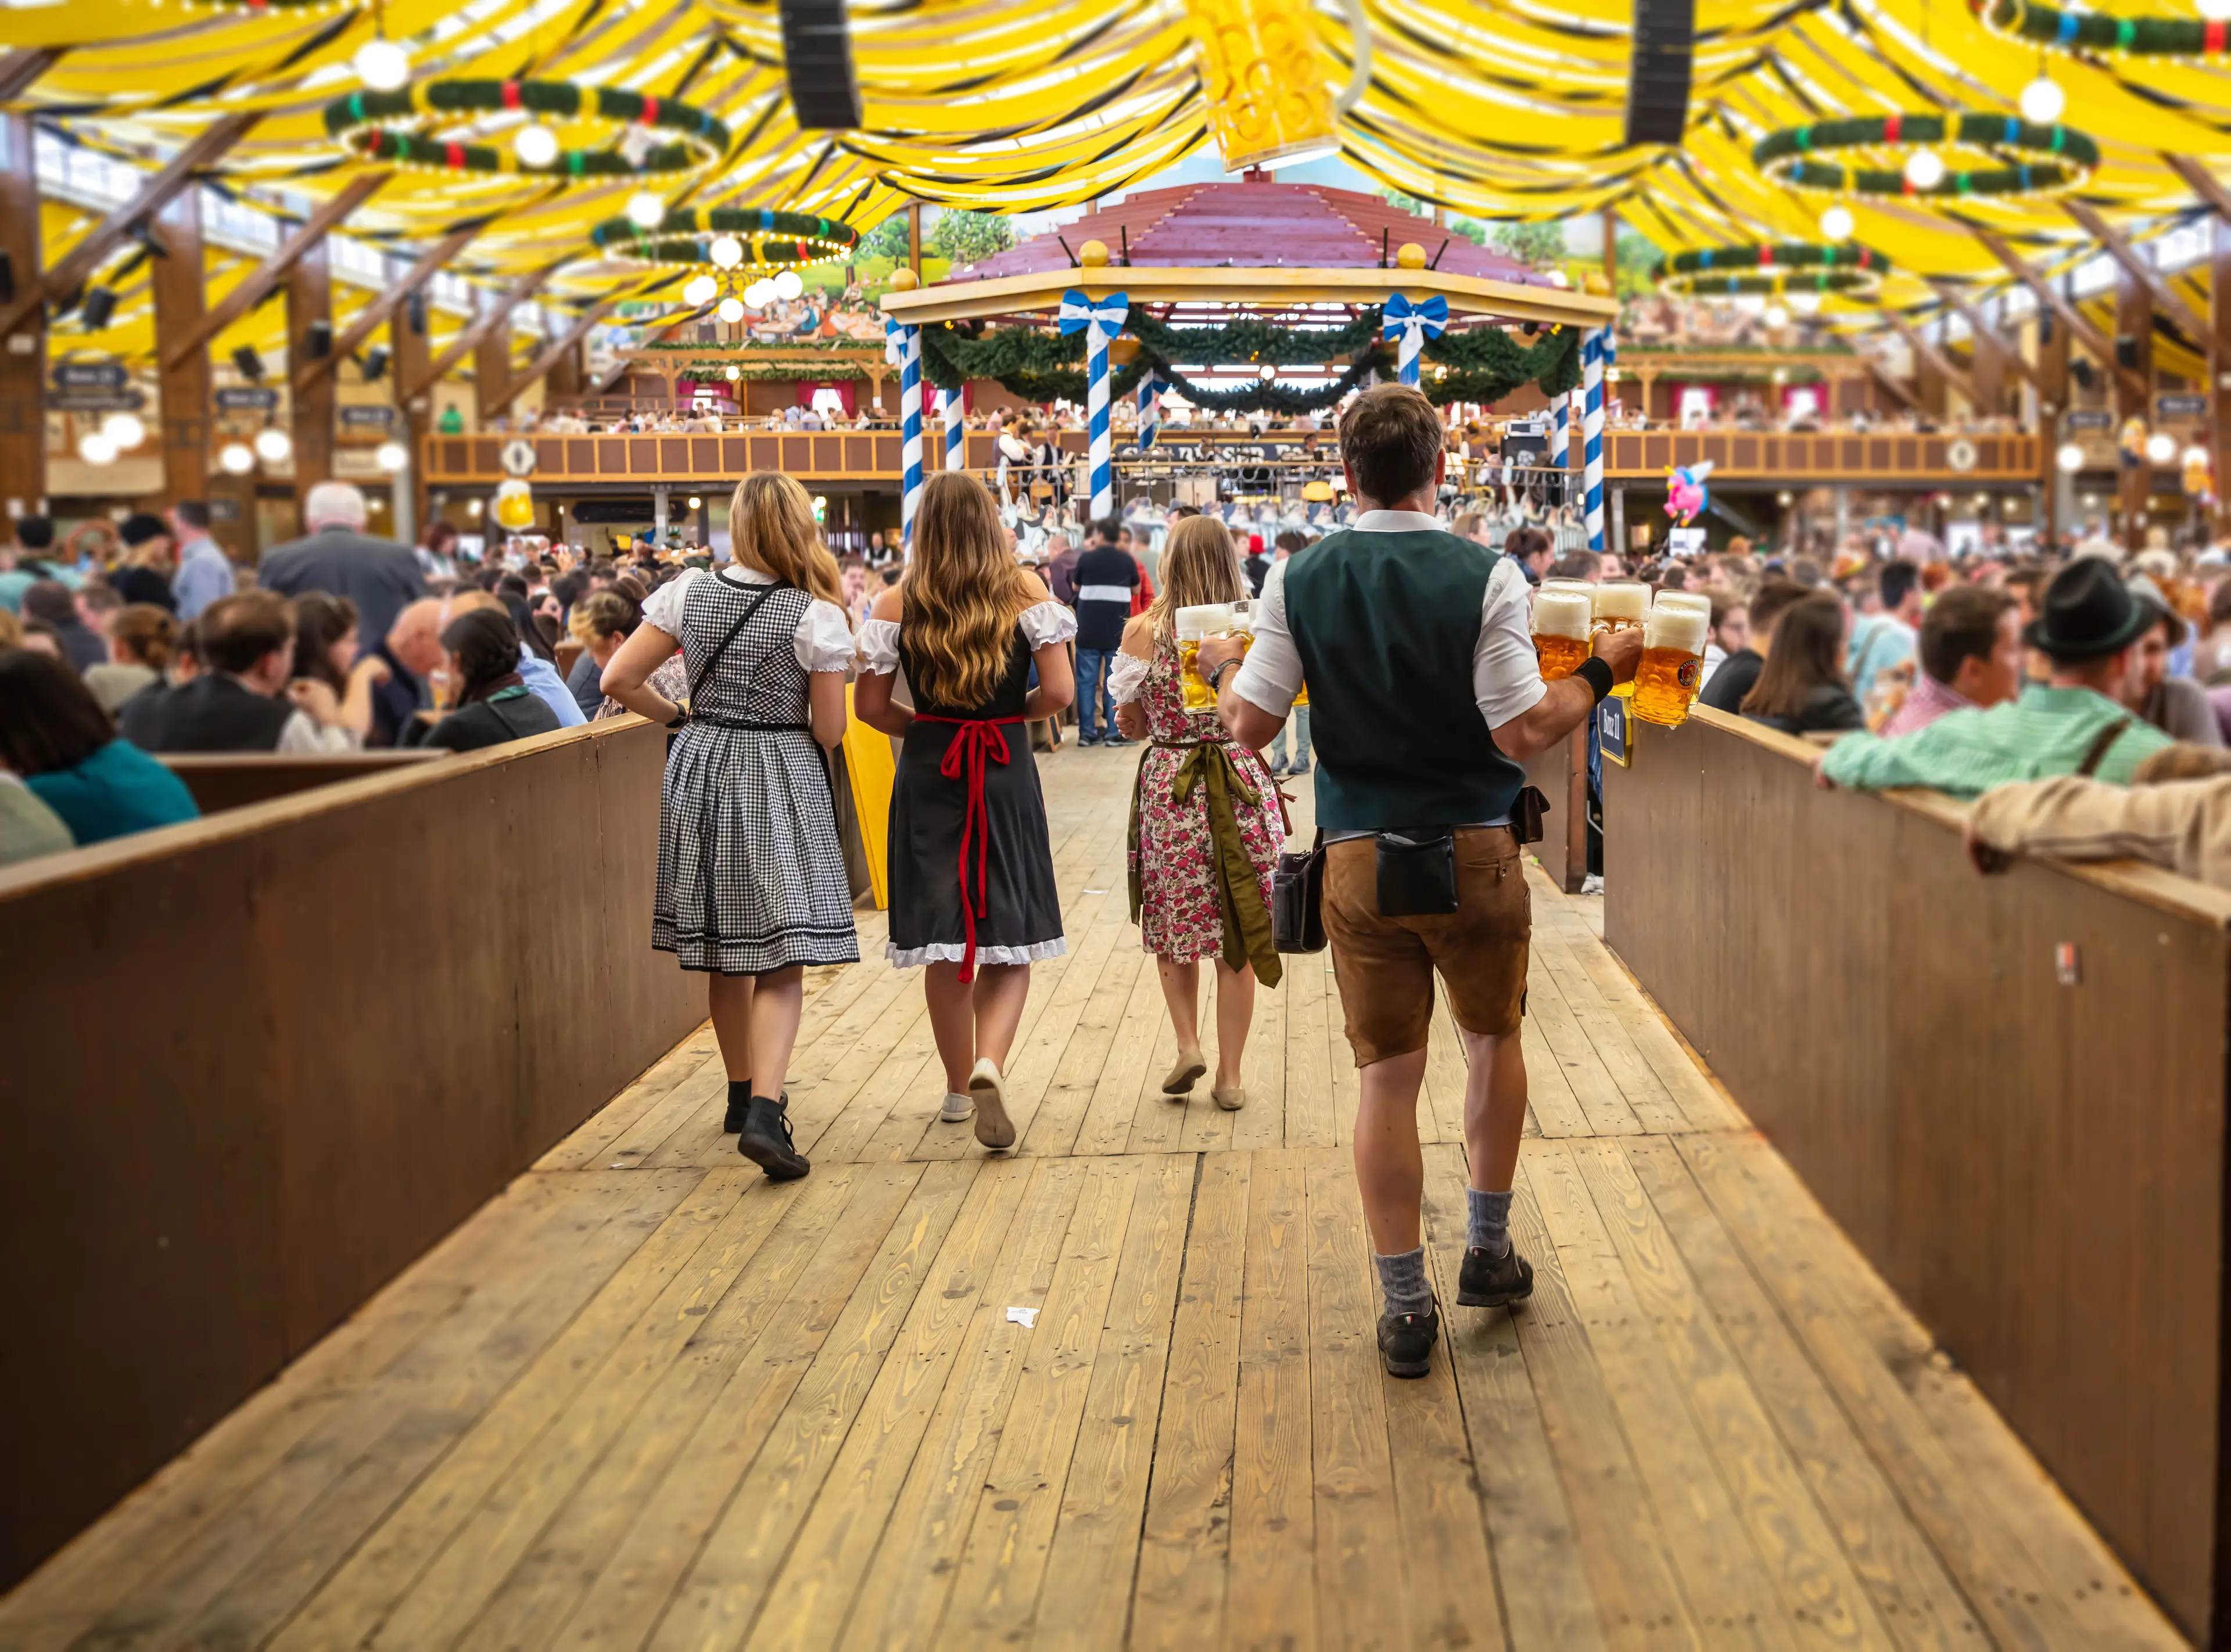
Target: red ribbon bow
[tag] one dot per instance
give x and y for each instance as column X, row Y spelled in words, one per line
column 977, row 738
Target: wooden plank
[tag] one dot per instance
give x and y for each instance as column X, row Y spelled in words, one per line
column 1185, row 1542
column 1127, row 1073
column 1540, row 1573
column 902, row 1598
column 1819, row 1596
column 1309, row 1058
column 1602, row 1101
column 251, row 288
column 1262, row 1122
column 995, row 1591
column 1654, row 1106
column 1089, row 1570
column 1270, row 1590
column 722, row 1596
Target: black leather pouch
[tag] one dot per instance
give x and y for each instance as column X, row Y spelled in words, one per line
column 1417, row 872
column 1526, row 815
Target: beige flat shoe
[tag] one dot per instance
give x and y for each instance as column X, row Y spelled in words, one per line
column 1191, row 1065
column 1231, row 1100
column 989, row 1092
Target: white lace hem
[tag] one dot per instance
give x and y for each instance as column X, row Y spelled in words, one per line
column 952, row 952
column 1127, row 678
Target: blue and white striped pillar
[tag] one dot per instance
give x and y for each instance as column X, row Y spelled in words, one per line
column 1597, row 352
column 1150, row 409
column 948, row 403
column 1100, row 320
column 1560, row 435
column 909, row 342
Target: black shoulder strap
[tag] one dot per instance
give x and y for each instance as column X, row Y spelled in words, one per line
column 714, row 658
column 2102, row 743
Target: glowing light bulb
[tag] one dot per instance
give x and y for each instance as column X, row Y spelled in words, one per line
column 788, row 284
column 391, row 456
column 237, row 458
column 727, row 251
column 645, row 211
column 699, row 290
column 1924, row 169
column 2042, row 101
column 2161, row 447
column 125, row 430
column 1836, row 223
column 759, row 294
column 696, row 503
column 2215, row 10
column 731, row 309
column 1776, row 316
column 273, row 445
column 95, row 448
column 535, row 145
column 734, row 374
column 2070, row 457
column 382, row 65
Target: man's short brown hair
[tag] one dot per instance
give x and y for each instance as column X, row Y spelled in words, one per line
column 238, row 630
column 1770, row 600
column 1962, row 623
column 1389, row 438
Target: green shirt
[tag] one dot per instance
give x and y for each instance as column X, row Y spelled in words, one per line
column 2045, row 733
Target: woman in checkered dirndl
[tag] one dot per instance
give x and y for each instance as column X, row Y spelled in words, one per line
column 751, row 872
column 972, row 893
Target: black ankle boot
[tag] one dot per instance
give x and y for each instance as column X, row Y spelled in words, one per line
column 740, row 1102
column 766, row 1140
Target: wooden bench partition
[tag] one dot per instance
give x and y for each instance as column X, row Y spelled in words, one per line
column 1561, row 772
column 234, row 779
column 257, row 1063
column 2009, row 1092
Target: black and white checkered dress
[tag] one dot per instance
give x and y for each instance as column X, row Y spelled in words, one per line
column 750, row 875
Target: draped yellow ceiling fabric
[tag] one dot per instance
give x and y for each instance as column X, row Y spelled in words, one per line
column 1495, row 108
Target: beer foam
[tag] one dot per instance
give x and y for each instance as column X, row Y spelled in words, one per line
column 1210, row 619
column 1677, row 626
column 1562, row 613
column 1622, row 599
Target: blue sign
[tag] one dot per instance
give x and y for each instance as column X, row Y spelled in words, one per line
column 358, row 414
column 256, row 397
column 2180, row 407
column 2088, row 418
column 89, row 375
column 1615, row 730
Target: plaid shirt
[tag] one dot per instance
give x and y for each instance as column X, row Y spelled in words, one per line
column 2046, row 732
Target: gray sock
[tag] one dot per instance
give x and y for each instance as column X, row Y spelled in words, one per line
column 1402, row 1282
column 1487, row 1221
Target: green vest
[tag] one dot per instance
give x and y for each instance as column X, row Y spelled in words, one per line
column 1385, row 624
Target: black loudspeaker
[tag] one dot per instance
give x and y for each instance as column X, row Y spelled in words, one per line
column 375, row 363
column 249, row 360
column 414, row 311
column 2045, row 326
column 1658, row 78
column 7, row 279
column 2126, row 351
column 2084, row 374
column 99, row 305
column 318, row 341
column 816, row 53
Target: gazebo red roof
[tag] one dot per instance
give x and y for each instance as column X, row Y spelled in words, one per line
column 1252, row 222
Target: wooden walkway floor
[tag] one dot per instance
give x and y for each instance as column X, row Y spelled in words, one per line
column 646, row 1398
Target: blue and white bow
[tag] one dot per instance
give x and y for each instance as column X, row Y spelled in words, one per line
column 894, row 342
column 1405, row 320
column 1105, row 316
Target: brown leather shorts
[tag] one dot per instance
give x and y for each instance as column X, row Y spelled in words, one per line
column 1385, row 965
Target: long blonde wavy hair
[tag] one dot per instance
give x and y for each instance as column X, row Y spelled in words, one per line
column 771, row 529
column 962, row 591
column 1200, row 565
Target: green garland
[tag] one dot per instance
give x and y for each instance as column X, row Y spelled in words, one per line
column 1482, row 364
column 2100, row 31
column 373, row 126
column 1793, row 265
column 2061, row 157
column 772, row 240
column 707, row 372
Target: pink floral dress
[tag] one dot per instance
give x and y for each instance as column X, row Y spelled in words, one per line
column 1177, row 865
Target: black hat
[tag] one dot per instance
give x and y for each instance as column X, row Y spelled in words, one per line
column 141, row 527
column 2087, row 612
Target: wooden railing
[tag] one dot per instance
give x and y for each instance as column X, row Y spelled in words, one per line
column 2009, row 1091
column 257, row 1063
column 875, row 457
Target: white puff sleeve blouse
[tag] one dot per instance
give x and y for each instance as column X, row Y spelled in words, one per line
column 823, row 641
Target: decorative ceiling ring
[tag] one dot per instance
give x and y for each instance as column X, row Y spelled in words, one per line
column 656, row 137
column 2099, row 31
column 760, row 237
column 2053, row 157
column 1789, row 266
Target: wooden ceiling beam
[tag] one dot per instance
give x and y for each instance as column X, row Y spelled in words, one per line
column 661, row 332
column 1955, row 375
column 79, row 265
column 1985, row 334
column 254, row 288
column 2204, row 185
column 543, row 362
column 1891, row 382
column 483, row 323
column 369, row 320
column 2097, row 344
column 20, row 70
column 2166, row 298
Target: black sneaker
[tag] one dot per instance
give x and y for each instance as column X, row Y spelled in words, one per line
column 739, row 1106
column 1492, row 1282
column 766, row 1140
column 1406, row 1341
column 1088, row 739
column 1116, row 739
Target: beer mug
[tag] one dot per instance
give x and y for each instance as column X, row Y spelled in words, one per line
column 1618, row 604
column 1562, row 616
column 1672, row 668
column 1194, row 626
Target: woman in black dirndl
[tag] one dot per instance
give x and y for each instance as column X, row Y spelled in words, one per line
column 750, row 873
column 972, row 885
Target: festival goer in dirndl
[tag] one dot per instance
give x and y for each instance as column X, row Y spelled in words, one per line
column 750, row 873
column 1205, row 826
column 972, row 885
